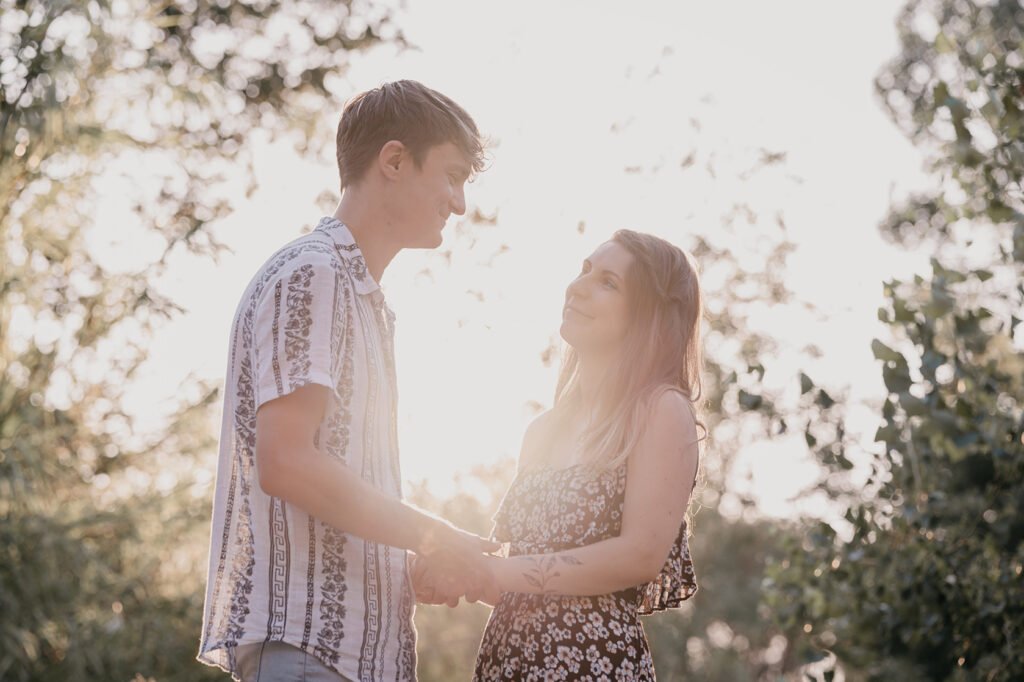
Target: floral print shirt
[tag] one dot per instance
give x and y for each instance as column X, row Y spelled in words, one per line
column 312, row 314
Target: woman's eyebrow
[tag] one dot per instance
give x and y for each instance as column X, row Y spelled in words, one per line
column 606, row 271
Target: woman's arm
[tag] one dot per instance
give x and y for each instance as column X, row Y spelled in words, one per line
column 659, row 482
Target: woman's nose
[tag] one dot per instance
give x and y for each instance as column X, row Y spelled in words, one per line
column 577, row 288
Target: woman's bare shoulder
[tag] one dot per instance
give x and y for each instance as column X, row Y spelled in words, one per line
column 672, row 413
column 537, row 434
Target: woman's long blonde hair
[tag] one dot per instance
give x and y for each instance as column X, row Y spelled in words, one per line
column 662, row 351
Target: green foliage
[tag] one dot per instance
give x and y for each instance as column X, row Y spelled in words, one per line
column 926, row 583
column 721, row 634
column 955, row 89
column 101, row 527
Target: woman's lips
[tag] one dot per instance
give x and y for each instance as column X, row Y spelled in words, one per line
column 571, row 309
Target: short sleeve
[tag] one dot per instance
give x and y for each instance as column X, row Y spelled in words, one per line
column 297, row 327
column 676, row 582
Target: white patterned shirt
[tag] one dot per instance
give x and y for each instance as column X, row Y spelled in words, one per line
column 312, row 315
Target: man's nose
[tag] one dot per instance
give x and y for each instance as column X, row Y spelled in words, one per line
column 458, row 202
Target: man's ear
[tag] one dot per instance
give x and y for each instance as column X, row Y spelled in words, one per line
column 390, row 158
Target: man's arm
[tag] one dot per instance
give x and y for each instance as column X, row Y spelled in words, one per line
column 292, row 468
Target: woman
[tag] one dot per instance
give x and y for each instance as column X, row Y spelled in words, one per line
column 596, row 518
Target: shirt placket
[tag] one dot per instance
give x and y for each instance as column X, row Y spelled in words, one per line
column 385, row 319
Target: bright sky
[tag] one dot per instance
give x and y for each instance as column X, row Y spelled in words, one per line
column 548, row 82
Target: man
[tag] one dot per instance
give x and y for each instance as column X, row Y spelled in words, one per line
column 308, row 574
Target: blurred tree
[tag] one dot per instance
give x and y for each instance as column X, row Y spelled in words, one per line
column 927, row 583
column 101, row 528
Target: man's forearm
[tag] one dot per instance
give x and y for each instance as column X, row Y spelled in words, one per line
column 328, row 490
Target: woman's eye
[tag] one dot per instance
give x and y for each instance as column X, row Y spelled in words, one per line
column 610, row 284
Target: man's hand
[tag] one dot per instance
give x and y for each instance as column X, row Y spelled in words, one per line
column 438, row 581
column 424, row 587
column 425, row 583
column 450, row 564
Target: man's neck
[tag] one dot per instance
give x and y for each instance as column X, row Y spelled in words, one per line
column 370, row 230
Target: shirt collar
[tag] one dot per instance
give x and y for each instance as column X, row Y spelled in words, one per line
column 350, row 254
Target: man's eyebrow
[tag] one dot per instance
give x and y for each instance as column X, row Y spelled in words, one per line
column 462, row 169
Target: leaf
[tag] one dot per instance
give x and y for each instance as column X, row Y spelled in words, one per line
column 749, row 401
column 888, row 409
column 824, row 399
column 931, row 360
column 902, row 311
column 897, row 379
column 884, row 433
column 943, row 44
column 883, row 352
column 998, row 212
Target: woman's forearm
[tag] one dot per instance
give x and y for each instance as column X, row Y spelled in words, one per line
column 603, row 567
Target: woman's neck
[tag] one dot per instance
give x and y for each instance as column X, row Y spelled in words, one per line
column 593, row 372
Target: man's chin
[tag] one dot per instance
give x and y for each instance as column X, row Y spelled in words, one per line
column 434, row 240
column 426, row 241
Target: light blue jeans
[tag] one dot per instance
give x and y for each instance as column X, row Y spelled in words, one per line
column 281, row 662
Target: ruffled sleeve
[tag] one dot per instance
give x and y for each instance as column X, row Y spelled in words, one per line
column 676, row 582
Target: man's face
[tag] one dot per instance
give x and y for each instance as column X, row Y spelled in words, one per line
column 427, row 195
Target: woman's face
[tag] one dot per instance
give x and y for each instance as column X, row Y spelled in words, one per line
column 595, row 316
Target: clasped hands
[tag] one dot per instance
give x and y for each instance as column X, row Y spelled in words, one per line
column 450, row 564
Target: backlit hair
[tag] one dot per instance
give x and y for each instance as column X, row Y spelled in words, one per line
column 409, row 112
column 661, row 352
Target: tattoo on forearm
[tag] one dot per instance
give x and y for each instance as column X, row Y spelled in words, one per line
column 544, row 568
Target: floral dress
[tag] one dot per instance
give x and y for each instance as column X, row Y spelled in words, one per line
column 553, row 637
